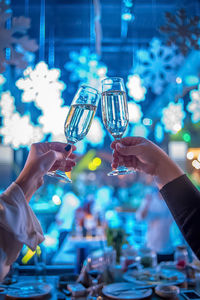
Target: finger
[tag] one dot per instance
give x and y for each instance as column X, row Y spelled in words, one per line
column 48, row 159
column 56, row 166
column 70, row 162
column 68, row 168
column 64, row 165
column 61, row 147
column 115, row 154
column 113, row 144
column 115, row 161
column 121, row 160
column 128, row 141
column 114, row 165
column 129, row 150
column 72, row 156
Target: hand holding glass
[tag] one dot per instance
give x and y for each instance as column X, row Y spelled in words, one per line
column 79, row 119
column 115, row 113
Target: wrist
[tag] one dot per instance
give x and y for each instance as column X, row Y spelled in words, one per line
column 28, row 182
column 167, row 170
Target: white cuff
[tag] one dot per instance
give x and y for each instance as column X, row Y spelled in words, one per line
column 17, row 217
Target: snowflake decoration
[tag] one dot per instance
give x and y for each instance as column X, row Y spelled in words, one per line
column 42, row 86
column 157, row 65
column 173, row 116
column 7, row 105
column 53, row 120
column 135, row 113
column 13, row 36
column 194, row 105
column 135, row 88
column 86, row 68
column 182, row 31
column 16, row 130
column 96, row 133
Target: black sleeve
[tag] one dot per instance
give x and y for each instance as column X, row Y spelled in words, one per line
column 183, row 200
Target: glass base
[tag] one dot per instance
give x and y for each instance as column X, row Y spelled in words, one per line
column 121, row 171
column 60, row 175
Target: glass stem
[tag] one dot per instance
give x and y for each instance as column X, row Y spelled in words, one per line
column 120, row 166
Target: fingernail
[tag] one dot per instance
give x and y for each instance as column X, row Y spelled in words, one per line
column 68, row 148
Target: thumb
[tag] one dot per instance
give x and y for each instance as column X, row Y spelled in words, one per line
column 128, row 150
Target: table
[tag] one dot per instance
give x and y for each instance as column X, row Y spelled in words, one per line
column 53, row 280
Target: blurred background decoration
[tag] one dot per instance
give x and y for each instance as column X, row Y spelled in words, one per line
column 47, row 49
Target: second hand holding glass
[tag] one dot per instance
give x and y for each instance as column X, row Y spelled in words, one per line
column 79, row 119
column 115, row 113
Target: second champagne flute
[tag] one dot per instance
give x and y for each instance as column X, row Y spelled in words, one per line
column 79, row 119
column 115, row 113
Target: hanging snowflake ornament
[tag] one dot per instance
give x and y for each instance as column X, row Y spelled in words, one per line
column 42, row 86
column 194, row 105
column 135, row 112
column 7, row 105
column 13, row 35
column 19, row 132
column 16, row 130
column 135, row 88
column 173, row 116
column 182, row 31
column 53, row 120
column 157, row 65
column 86, row 67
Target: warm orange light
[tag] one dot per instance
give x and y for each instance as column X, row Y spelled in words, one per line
column 68, row 174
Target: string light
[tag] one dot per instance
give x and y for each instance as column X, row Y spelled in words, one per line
column 127, row 14
column 196, row 164
column 147, row 122
column 56, row 200
column 190, row 155
column 178, row 80
column 187, row 137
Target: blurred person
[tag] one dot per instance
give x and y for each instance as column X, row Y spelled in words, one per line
column 181, row 196
column 18, row 223
column 65, row 216
column 155, row 212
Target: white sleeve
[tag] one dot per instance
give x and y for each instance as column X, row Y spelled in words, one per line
column 18, row 226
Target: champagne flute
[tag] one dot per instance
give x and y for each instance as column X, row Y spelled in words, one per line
column 79, row 120
column 115, row 113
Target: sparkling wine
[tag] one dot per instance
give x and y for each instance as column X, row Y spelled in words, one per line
column 115, row 112
column 78, row 122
